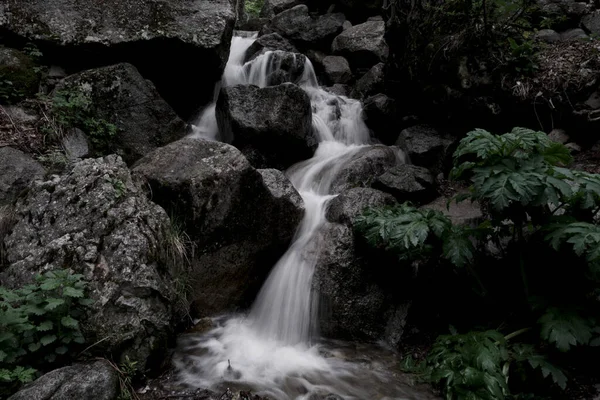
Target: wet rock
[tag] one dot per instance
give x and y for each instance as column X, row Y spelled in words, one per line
column 425, row 147
column 185, row 36
column 363, row 45
column 408, row 183
column 547, row 36
column 463, row 213
column 76, row 144
column 347, row 25
column 380, row 114
column 370, row 83
column 253, row 24
column 364, row 167
column 352, row 202
column 558, row 136
column 573, row 34
column 98, row 222
column 571, row 9
column 18, row 72
column 591, row 22
column 339, row 89
column 574, row 148
column 97, row 380
column 305, row 31
column 272, row 124
column 273, row 7
column 272, row 41
column 240, row 221
column 280, row 67
column 119, row 95
column 317, row 58
column 337, row 69
column 17, row 171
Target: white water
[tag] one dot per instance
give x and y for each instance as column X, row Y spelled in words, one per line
column 273, row 350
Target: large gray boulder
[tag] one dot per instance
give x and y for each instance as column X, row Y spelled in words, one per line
column 352, row 202
column 272, row 41
column 169, row 41
column 96, row 380
column 354, row 301
column 364, row 168
column 119, row 95
column 425, row 147
column 281, row 67
column 272, row 125
column 273, row 7
column 337, row 69
column 240, row 221
column 408, row 183
column 17, row 171
column 304, row 30
column 381, row 116
column 371, row 83
column 96, row 221
column 363, row 45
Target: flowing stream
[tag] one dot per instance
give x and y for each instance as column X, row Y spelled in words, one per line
column 275, row 350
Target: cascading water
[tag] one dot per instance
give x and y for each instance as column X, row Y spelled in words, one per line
column 270, row 351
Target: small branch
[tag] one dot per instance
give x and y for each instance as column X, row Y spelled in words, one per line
column 10, row 119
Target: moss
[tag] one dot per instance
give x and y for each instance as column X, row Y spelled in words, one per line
column 19, row 77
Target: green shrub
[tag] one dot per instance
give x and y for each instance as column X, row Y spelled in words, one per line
column 253, row 8
column 39, row 325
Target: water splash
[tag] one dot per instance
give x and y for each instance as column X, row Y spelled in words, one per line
column 274, row 350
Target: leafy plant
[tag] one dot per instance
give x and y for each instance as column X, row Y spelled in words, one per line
column 39, row 323
column 253, row 8
column 127, row 372
column 523, row 56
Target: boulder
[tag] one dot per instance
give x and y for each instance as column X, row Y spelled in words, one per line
column 98, row 222
column 364, row 167
column 463, row 213
column 363, row 45
column 167, row 41
column 18, row 77
column 339, row 89
column 591, row 22
column 240, row 221
column 547, row 36
column 305, row 31
column 425, row 147
column 352, row 202
column 381, row 116
column 276, row 67
column 119, row 95
column 355, row 299
column 17, row 171
column 559, row 136
column 273, row 7
column 96, row 380
column 573, row 34
column 273, row 125
column 272, row 41
column 408, row 183
column 252, row 24
column 571, row 9
column 337, row 69
column 370, row 83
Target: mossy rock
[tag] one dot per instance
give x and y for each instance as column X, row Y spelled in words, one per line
column 18, row 76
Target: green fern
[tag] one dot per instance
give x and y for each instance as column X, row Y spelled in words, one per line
column 565, row 328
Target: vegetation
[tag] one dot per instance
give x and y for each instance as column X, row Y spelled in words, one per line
column 253, row 8
column 537, row 213
column 39, row 326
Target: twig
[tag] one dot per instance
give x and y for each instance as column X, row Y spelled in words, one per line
column 92, row 345
column 10, row 119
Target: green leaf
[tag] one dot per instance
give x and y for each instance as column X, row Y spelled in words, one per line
column 53, row 303
column 45, row 326
column 565, row 328
column 61, row 350
column 48, row 339
column 33, row 347
column 72, row 292
column 548, row 369
column 69, row 322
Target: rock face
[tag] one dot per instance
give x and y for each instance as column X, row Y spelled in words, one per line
column 97, row 380
column 380, row 114
column 273, row 7
column 370, row 83
column 408, row 183
column 364, row 167
column 280, row 67
column 305, row 31
column 351, row 203
column 18, row 69
column 98, row 222
column 190, row 34
column 363, row 45
column 17, row 171
column 272, row 41
column 337, row 69
column 425, row 147
column 120, row 95
column 240, row 220
column 272, row 125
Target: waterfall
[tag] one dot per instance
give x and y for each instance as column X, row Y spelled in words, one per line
column 271, row 349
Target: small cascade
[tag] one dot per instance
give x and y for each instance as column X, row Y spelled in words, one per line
column 275, row 350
